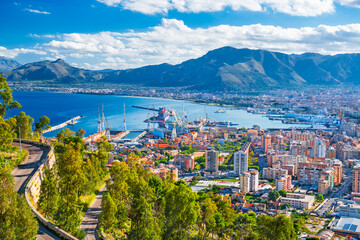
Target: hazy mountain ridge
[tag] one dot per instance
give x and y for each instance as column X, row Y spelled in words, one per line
column 7, row 64
column 225, row 68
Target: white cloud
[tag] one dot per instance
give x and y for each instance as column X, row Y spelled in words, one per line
column 350, row 3
column 173, row 42
column 11, row 53
column 291, row 7
column 79, row 55
column 36, row 11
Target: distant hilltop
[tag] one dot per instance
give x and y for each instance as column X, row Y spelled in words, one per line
column 225, row 68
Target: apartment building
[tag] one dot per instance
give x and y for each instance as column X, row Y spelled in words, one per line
column 298, row 201
column 265, row 142
column 356, row 179
column 212, row 160
column 163, row 171
column 283, row 183
column 184, row 161
column 249, row 181
column 240, row 162
column 326, row 181
column 274, row 173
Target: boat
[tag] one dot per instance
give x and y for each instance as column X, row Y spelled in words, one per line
column 221, row 110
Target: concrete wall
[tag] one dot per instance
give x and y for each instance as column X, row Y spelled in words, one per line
column 32, row 189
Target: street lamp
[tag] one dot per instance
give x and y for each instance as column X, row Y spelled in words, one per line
column 20, row 137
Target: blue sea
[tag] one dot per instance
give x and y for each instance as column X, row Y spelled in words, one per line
column 60, row 107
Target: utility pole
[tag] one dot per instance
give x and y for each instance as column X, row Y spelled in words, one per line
column 20, row 138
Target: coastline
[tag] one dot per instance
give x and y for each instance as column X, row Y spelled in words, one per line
column 196, row 101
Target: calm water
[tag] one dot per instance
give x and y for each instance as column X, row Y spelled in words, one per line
column 60, row 107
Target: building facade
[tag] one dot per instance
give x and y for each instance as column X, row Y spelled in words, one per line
column 240, row 162
column 212, row 160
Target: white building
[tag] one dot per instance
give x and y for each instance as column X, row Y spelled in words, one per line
column 244, row 180
column 319, row 148
column 299, row 201
column 349, row 210
column 240, row 162
column 249, row 181
column 254, row 180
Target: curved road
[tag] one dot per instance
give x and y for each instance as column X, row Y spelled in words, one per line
column 24, row 171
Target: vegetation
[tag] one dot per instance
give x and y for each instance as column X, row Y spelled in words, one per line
column 16, row 218
column 319, row 198
column 139, row 205
column 274, row 195
column 229, row 146
column 73, row 178
column 187, row 150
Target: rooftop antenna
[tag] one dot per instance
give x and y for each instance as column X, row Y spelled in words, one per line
column 124, row 126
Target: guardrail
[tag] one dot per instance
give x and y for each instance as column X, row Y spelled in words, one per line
column 32, row 189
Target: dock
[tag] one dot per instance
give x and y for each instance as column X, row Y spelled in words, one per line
column 64, row 124
column 139, row 136
column 146, row 108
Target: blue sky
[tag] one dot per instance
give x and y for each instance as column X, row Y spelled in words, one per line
column 119, row 34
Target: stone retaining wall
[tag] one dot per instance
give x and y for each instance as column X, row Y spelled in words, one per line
column 32, row 189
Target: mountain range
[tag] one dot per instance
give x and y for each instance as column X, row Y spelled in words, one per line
column 225, row 68
column 7, row 64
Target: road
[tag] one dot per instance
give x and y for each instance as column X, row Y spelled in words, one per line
column 24, row 171
column 91, row 218
column 334, row 196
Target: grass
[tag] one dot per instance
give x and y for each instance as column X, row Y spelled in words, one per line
column 11, row 157
column 226, row 180
column 86, row 200
column 252, row 199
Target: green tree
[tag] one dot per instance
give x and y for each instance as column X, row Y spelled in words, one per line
column 6, row 135
column 181, row 210
column 6, row 98
column 208, row 222
column 26, row 226
column 24, row 123
column 71, row 182
column 319, row 198
column 43, row 124
column 282, row 193
column 143, row 223
column 280, row 227
column 108, row 215
column 16, row 218
column 64, row 134
column 298, row 224
column 80, row 133
column 49, row 194
column 245, row 226
column 104, row 144
column 273, row 195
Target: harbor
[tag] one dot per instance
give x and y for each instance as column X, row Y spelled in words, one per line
column 38, row 104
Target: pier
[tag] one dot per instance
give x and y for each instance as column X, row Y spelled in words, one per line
column 146, row 108
column 62, row 125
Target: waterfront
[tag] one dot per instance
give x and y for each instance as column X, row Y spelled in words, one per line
column 60, row 107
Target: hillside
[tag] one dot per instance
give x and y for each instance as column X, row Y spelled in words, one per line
column 7, row 64
column 225, row 68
